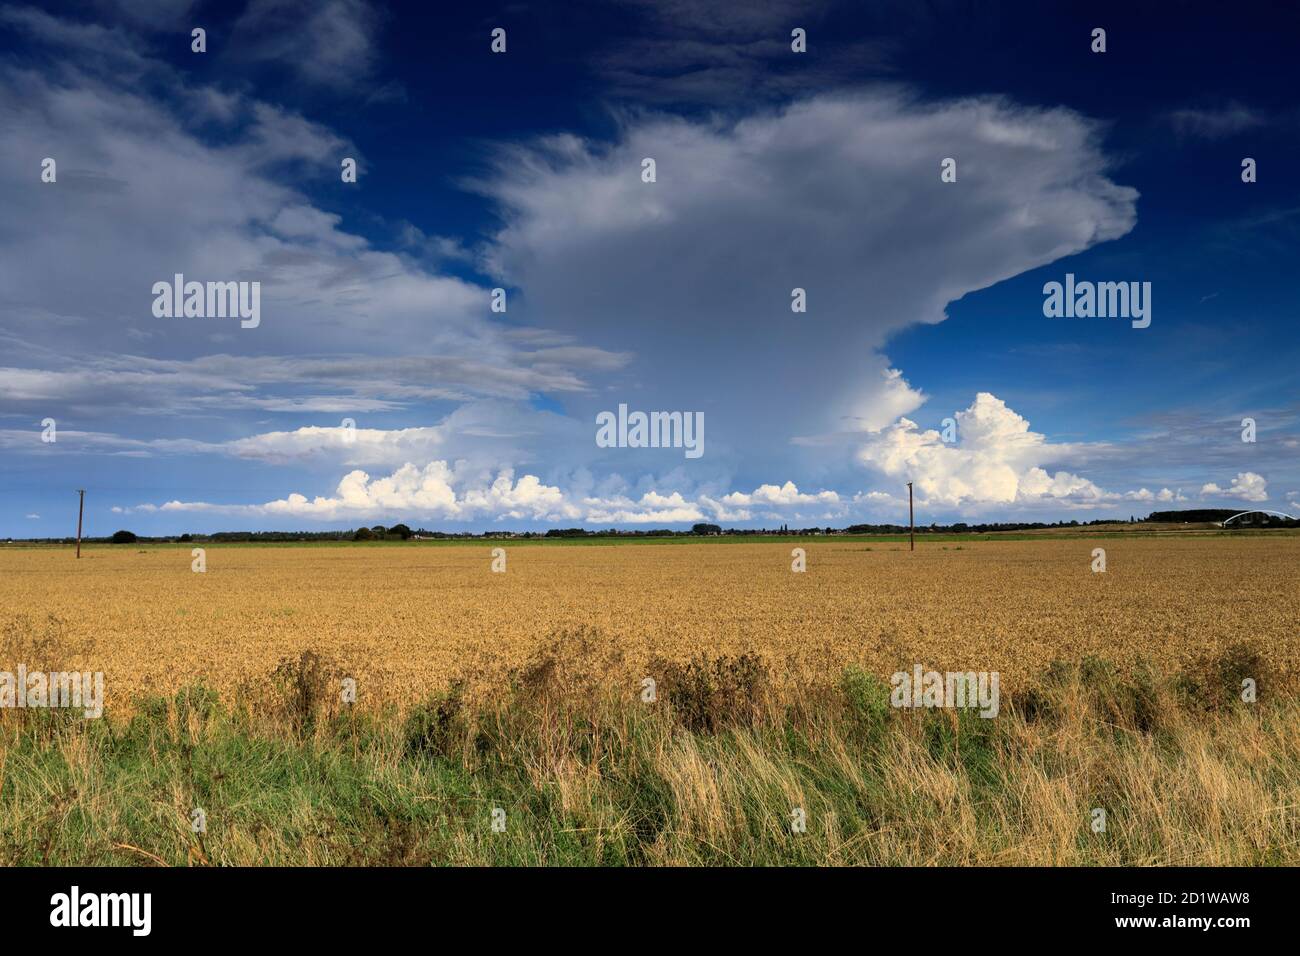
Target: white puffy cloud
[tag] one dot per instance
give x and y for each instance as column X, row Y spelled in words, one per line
column 651, row 508
column 720, row 512
column 995, row 459
column 1247, row 486
column 462, row 492
column 786, row 494
column 438, row 490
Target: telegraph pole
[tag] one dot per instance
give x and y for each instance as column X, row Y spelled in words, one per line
column 911, row 519
column 81, row 510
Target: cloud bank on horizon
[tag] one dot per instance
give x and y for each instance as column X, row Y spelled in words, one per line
column 381, row 385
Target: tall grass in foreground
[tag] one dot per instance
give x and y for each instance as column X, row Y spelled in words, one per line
column 709, row 774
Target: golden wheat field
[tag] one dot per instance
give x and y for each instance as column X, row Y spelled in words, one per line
column 406, row 620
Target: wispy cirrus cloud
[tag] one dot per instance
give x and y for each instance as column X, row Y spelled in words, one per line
column 697, row 52
column 330, row 44
column 1215, row 122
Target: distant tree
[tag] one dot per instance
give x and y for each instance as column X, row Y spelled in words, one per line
column 124, row 537
column 400, row 531
column 187, row 537
column 364, row 534
column 379, row 530
column 705, row 529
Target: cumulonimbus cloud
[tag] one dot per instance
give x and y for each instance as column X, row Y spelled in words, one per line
column 838, row 195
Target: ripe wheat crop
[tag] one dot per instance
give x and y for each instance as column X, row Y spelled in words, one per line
column 405, row 622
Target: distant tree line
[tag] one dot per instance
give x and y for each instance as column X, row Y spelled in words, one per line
column 403, row 532
column 1206, row 514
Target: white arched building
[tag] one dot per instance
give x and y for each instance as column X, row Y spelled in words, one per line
column 1258, row 511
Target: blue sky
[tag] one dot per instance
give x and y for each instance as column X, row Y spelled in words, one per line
column 522, row 170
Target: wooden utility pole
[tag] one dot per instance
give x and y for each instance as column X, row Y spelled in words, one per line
column 911, row 519
column 81, row 510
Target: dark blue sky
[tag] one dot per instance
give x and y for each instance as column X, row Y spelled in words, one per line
column 776, row 170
